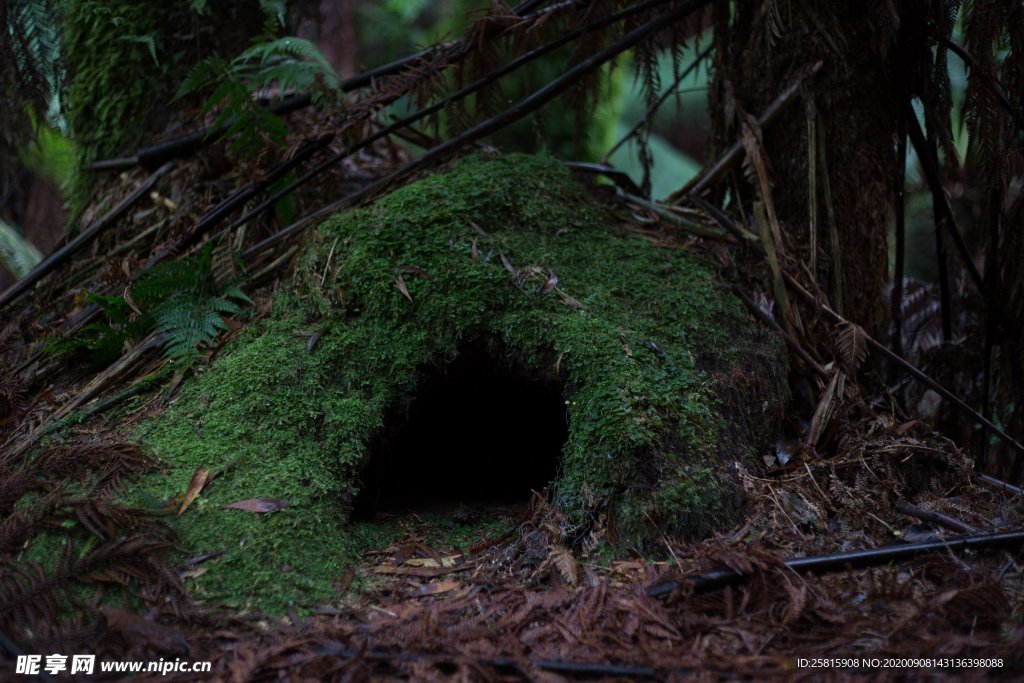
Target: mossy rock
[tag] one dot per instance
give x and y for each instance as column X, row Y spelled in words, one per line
column 639, row 340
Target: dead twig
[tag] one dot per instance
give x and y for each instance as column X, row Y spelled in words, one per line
column 396, row 127
column 880, row 348
column 935, row 518
column 50, row 263
column 90, row 391
column 656, row 105
column 998, row 484
column 988, row 79
column 792, row 343
column 857, row 559
column 710, row 176
column 512, row 114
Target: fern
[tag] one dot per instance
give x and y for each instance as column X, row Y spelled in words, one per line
column 100, row 343
column 31, row 72
column 180, row 298
column 293, row 64
column 274, row 9
column 190, row 322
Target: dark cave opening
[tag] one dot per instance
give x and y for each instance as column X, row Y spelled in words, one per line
column 477, row 431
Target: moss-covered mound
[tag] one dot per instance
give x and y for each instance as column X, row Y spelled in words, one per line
column 630, row 334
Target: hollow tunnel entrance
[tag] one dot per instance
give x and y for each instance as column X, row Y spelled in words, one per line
column 478, row 431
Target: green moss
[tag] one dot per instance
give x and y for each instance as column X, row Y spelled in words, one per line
column 112, row 47
column 645, row 430
column 126, row 59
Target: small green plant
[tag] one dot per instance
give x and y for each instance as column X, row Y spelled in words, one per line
column 179, row 298
column 184, row 300
column 31, row 76
column 293, row 64
column 101, row 343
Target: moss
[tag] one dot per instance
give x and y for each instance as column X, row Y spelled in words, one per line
column 127, row 58
column 645, row 429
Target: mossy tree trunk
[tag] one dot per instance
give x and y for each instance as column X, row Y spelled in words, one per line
column 126, row 58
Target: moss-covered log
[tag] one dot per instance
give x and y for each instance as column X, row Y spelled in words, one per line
column 653, row 359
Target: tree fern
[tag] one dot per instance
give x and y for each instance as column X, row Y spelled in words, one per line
column 30, row 72
column 290, row 63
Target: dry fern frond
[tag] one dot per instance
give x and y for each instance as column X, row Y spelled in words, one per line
column 567, row 566
column 23, row 524
column 14, row 404
column 798, row 594
column 852, row 344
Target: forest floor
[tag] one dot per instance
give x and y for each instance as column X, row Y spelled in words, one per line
column 495, row 593
column 522, row 605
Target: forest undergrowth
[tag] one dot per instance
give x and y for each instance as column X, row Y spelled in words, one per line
column 864, row 531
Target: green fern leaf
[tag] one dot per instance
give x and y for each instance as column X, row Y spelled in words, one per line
column 294, row 58
column 101, row 344
column 186, row 325
column 291, row 63
column 202, row 75
column 166, row 280
column 224, row 306
column 184, row 301
column 146, row 40
column 274, row 9
column 114, row 307
column 235, row 292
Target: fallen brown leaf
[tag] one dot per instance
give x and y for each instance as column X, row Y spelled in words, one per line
column 568, row 300
column 508, row 266
column 193, row 573
column 346, row 580
column 436, row 588
column 400, row 283
column 199, row 479
column 550, row 284
column 425, row 572
column 431, row 562
column 205, row 557
column 258, row 505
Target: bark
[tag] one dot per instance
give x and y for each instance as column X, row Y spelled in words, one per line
column 762, row 48
column 337, row 35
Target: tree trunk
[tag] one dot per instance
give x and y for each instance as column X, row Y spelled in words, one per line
column 851, row 105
